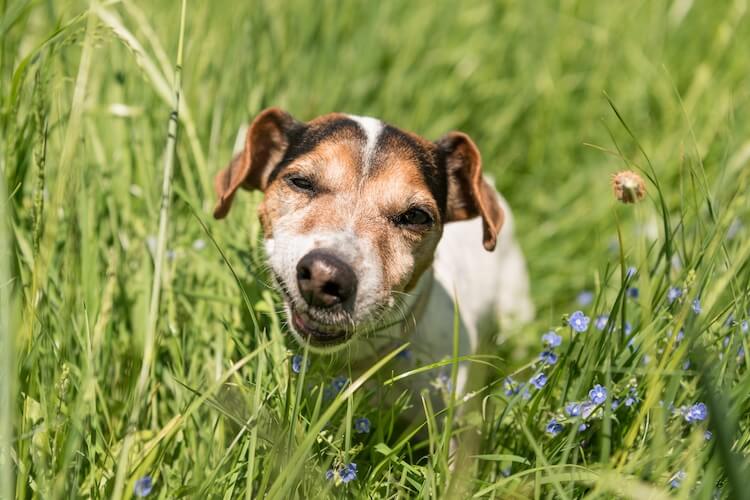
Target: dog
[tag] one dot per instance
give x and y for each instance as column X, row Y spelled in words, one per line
column 372, row 233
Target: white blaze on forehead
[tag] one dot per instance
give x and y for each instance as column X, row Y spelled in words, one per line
column 372, row 127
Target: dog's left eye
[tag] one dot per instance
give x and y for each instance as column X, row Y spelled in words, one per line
column 413, row 217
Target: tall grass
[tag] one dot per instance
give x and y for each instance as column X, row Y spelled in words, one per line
column 140, row 338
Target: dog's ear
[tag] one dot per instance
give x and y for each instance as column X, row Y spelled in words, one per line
column 469, row 194
column 265, row 144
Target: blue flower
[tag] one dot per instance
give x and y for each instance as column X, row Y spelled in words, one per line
column 676, row 480
column 348, row 472
column 744, row 326
column 601, row 321
column 362, row 425
column 583, row 427
column 329, row 474
column 339, row 383
column 510, row 387
column 696, row 413
column 707, row 435
column 143, row 486
column 297, row 363
column 573, row 409
column 628, row 328
column 587, row 409
column 598, row 394
column 554, row 427
column 615, row 404
column 405, row 354
column 633, row 292
column 548, row 357
column 629, row 401
column 538, row 380
column 696, row 305
column 551, row 339
column 585, row 298
column 673, row 294
column 579, row 322
column 631, row 272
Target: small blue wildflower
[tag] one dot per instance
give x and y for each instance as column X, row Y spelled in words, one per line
column 510, row 387
column 339, row 383
column 143, row 486
column 362, row 425
column 587, row 409
column 631, row 272
column 585, row 298
column 601, row 321
column 329, row 474
column 633, row 292
column 676, row 480
column 730, row 320
column 673, row 294
column 573, row 409
column 579, row 322
column 551, row 339
column 444, row 381
column 680, row 336
column 615, row 404
column 348, row 473
column 628, row 328
column 629, row 401
column 707, row 435
column 696, row 305
column 583, row 427
column 538, row 380
column 405, row 354
column 696, row 413
column 297, row 363
column 598, row 394
column 744, row 326
column 548, row 357
column 554, row 427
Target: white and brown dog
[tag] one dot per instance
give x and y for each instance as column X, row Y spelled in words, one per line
column 371, row 232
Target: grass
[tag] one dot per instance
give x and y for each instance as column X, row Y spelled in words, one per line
column 139, row 337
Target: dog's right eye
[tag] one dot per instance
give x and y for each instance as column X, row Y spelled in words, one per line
column 300, row 183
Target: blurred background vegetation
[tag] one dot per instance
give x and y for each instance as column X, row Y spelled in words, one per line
column 87, row 91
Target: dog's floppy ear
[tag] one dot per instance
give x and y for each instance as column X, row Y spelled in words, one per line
column 265, row 143
column 469, row 194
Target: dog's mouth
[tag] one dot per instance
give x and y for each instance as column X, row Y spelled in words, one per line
column 316, row 333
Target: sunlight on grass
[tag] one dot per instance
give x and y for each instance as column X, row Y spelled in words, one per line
column 144, row 353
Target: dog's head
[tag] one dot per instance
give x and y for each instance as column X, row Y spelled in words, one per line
column 352, row 213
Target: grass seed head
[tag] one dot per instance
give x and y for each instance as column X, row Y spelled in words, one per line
column 628, row 186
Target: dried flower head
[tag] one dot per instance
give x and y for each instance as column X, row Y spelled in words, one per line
column 628, row 186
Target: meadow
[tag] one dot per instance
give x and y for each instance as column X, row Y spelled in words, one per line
column 143, row 353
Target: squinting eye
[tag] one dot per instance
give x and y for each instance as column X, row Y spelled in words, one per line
column 413, row 217
column 301, row 183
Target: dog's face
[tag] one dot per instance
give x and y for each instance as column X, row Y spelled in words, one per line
column 352, row 213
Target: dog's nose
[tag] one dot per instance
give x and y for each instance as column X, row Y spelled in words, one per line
column 325, row 280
